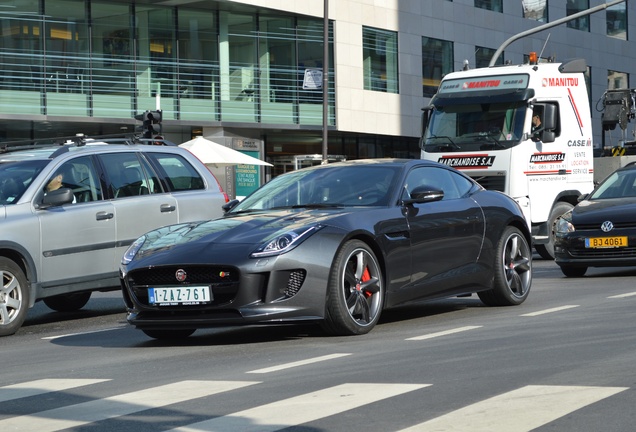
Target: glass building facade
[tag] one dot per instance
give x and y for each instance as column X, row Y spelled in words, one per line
column 103, row 59
column 253, row 70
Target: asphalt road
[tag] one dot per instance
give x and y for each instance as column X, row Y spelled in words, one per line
column 562, row 361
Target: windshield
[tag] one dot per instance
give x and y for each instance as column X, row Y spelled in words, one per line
column 15, row 178
column 617, row 185
column 493, row 126
column 327, row 186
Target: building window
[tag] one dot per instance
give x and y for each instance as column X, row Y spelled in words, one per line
column 575, row 6
column 437, row 61
column 483, row 56
column 617, row 80
column 617, row 21
column 380, row 60
column 493, row 5
column 535, row 10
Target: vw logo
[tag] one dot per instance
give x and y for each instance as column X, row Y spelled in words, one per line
column 181, row 275
column 607, row 226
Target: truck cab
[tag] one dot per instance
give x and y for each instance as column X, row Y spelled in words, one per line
column 524, row 130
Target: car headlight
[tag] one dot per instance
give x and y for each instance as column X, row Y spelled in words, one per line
column 284, row 242
column 132, row 250
column 563, row 224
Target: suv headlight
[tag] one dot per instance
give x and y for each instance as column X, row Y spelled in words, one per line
column 563, row 224
column 132, row 250
column 284, row 242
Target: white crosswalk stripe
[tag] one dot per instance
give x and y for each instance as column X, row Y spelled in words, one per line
column 521, row 410
column 34, row 388
column 116, row 406
column 302, row 409
column 540, row 406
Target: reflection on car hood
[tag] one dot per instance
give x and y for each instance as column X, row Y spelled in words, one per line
column 246, row 229
column 616, row 210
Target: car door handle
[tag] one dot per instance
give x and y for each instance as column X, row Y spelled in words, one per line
column 104, row 215
column 165, row 208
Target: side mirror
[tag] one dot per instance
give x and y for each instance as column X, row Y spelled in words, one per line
column 229, row 205
column 57, row 198
column 549, row 117
column 424, row 194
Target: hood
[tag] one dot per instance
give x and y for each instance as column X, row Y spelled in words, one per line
column 233, row 231
column 617, row 210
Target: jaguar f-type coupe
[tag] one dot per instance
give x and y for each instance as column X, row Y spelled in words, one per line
column 332, row 244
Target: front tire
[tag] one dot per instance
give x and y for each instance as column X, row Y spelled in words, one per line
column 355, row 292
column 513, row 270
column 546, row 251
column 14, row 297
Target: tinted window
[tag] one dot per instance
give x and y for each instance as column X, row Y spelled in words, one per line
column 453, row 185
column 176, row 172
column 125, row 175
column 80, row 176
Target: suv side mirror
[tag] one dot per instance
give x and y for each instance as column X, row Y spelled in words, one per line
column 57, row 198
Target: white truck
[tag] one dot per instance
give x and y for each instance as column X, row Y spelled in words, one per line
column 481, row 122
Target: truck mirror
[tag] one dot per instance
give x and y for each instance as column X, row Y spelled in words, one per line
column 548, row 136
column 549, row 117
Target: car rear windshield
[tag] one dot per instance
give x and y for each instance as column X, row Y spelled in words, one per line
column 16, row 177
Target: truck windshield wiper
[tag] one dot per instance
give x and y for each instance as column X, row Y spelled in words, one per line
column 450, row 143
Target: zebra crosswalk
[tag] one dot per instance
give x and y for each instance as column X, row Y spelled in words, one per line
column 519, row 410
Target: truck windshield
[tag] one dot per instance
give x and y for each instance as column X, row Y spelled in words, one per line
column 492, row 126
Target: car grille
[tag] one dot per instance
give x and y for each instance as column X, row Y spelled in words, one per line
column 223, row 280
column 628, row 252
column 596, row 226
column 497, row 183
column 295, row 281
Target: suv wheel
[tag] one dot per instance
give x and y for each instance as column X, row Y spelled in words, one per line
column 14, row 297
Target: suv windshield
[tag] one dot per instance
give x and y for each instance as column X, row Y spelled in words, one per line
column 488, row 126
column 16, row 177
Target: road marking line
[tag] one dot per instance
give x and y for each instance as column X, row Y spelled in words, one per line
column 302, row 409
column 547, row 311
column 444, row 333
column 299, row 363
column 82, row 333
column 34, row 388
column 520, row 410
column 101, row 409
column 631, row 294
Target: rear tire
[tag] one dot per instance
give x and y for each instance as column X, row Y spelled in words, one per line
column 68, row 302
column 573, row 272
column 355, row 292
column 546, row 251
column 168, row 334
column 513, row 271
column 14, row 297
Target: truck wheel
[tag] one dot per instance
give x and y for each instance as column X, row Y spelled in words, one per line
column 546, row 251
column 68, row 302
column 14, row 297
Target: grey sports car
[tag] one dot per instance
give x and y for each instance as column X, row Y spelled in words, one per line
column 332, row 244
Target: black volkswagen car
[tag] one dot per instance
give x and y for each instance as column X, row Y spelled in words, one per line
column 333, row 244
column 600, row 231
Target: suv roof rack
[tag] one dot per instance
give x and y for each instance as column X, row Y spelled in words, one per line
column 79, row 140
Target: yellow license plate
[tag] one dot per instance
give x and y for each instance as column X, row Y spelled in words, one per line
column 606, row 242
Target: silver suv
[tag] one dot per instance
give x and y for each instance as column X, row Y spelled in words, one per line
column 69, row 212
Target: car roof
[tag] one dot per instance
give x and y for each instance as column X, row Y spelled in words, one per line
column 90, row 147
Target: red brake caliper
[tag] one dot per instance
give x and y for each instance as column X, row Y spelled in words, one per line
column 366, row 277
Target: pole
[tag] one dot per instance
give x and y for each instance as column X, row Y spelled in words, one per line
column 589, row 11
column 325, row 84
